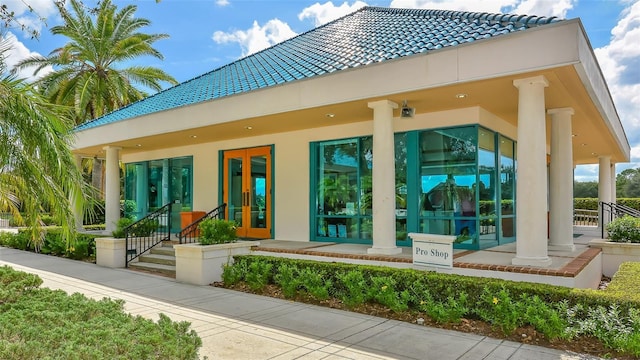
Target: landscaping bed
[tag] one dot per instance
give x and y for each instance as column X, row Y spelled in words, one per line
column 40, row 323
column 605, row 323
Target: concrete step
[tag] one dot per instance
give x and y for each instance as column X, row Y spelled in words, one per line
column 166, row 270
column 163, row 250
column 158, row 259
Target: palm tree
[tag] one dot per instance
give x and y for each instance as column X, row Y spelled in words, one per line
column 37, row 169
column 89, row 73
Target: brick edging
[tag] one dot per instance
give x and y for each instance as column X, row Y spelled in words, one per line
column 570, row 270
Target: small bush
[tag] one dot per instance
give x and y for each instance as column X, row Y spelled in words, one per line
column 624, row 229
column 122, row 223
column 217, row 231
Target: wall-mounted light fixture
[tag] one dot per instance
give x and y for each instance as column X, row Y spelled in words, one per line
column 406, row 111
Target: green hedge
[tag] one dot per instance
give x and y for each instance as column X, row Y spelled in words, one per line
column 40, row 323
column 442, row 285
column 626, row 282
column 610, row 317
column 82, row 247
column 592, row 203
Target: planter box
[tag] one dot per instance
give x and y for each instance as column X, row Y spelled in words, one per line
column 202, row 264
column 614, row 254
column 110, row 252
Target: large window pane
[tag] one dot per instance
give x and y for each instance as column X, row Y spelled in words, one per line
column 447, row 180
column 507, row 187
column 487, row 187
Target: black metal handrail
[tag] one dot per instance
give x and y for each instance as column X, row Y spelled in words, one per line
column 189, row 234
column 147, row 232
column 610, row 211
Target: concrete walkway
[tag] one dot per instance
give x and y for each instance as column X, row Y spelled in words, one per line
column 236, row 325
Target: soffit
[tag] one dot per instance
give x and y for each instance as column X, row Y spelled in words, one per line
column 497, row 95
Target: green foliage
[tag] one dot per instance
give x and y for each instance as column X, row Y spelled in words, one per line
column 355, row 290
column 49, row 324
column 122, row 223
column 557, row 312
column 383, row 291
column 315, row 283
column 625, row 283
column 217, row 231
column 499, row 309
column 585, row 189
column 233, row 274
column 287, row 278
column 82, row 246
column 142, row 228
column 624, row 229
column 258, row 275
column 16, row 283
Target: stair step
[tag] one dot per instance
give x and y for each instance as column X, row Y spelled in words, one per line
column 154, row 268
column 163, row 250
column 158, row 259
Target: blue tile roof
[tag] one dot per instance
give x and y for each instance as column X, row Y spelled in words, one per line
column 369, row 35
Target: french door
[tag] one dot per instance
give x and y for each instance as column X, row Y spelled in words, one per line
column 247, row 190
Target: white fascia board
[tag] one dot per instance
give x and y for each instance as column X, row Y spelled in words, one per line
column 595, row 84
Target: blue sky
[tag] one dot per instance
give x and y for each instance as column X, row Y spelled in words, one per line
column 206, row 34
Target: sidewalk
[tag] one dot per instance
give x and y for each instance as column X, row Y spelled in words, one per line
column 236, row 325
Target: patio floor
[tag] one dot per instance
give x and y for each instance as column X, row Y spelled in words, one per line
column 578, row 268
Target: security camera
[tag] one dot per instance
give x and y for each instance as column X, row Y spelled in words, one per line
column 406, row 111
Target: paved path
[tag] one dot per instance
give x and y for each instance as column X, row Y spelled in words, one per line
column 236, row 325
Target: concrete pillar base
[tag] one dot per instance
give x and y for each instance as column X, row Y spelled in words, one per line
column 384, row 250
column 562, row 247
column 531, row 261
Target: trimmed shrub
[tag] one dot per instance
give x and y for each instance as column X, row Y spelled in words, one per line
column 217, row 231
column 624, row 229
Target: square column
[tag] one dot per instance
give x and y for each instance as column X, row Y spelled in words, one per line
column 531, row 174
column 384, row 180
column 112, row 188
column 561, row 181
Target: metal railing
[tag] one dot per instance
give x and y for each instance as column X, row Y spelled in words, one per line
column 147, row 232
column 191, row 232
column 610, row 211
column 584, row 217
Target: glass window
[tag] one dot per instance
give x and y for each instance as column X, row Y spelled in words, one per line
column 150, row 185
column 344, row 188
column 507, row 186
column 487, row 187
column 447, row 178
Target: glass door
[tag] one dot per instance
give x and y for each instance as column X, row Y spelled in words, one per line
column 247, row 190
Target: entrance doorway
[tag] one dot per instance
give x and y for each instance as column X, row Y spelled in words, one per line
column 247, row 190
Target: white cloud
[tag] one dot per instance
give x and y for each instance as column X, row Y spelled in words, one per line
column 257, row 37
column 17, row 52
column 620, row 64
column 558, row 8
column 327, row 12
column 29, row 13
column 222, row 2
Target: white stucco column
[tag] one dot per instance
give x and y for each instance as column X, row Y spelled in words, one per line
column 561, row 181
column 604, row 184
column 604, row 179
column 384, row 180
column 614, row 191
column 112, row 188
column 531, row 174
column 76, row 201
